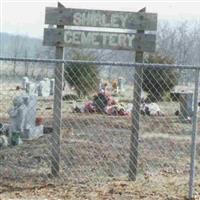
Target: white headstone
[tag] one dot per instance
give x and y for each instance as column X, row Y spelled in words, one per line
column 3, row 141
column 121, row 84
column 44, row 88
column 24, row 82
column 101, row 85
column 23, row 116
column 17, row 115
column 31, row 88
column 31, row 105
column 52, row 83
column 31, row 131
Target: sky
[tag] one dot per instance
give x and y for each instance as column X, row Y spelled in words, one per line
column 27, row 16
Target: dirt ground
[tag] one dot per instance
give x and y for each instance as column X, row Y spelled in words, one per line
column 95, row 163
column 95, row 159
column 118, row 190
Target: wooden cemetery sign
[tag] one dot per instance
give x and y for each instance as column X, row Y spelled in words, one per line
column 106, row 38
column 100, row 19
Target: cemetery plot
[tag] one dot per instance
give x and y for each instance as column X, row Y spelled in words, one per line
column 93, row 139
column 98, row 143
column 88, row 160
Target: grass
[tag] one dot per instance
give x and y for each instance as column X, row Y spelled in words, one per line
column 95, row 157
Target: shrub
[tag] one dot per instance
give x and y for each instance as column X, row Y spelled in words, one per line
column 158, row 82
column 83, row 77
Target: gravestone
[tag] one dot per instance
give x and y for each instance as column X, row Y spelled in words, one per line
column 52, row 82
column 24, row 82
column 30, row 116
column 17, row 115
column 31, row 88
column 40, row 87
column 3, row 141
column 186, row 104
column 101, row 85
column 121, row 84
column 44, row 88
column 23, row 116
column 31, row 131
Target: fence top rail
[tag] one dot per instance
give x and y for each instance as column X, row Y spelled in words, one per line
column 125, row 64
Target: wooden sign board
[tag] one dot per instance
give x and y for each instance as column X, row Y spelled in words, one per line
column 99, row 40
column 101, row 18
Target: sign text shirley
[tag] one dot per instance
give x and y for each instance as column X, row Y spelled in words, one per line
column 97, row 19
column 101, row 18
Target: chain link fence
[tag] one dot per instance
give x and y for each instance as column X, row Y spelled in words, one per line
column 95, row 125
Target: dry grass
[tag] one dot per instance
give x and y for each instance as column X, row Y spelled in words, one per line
column 95, row 157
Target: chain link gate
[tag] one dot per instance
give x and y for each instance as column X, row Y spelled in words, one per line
column 95, row 132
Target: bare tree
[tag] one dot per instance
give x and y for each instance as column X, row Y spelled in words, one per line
column 16, row 48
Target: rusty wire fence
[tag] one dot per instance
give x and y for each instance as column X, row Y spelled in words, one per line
column 93, row 125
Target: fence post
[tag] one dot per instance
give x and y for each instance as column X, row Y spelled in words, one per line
column 136, row 113
column 57, row 112
column 194, row 134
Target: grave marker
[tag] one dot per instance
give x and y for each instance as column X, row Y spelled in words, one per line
column 52, row 82
column 23, row 116
column 24, row 82
column 44, row 88
column 31, row 88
